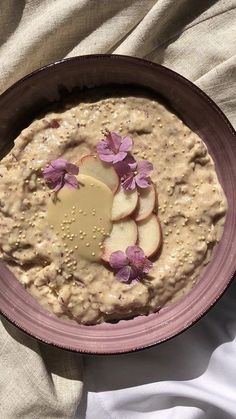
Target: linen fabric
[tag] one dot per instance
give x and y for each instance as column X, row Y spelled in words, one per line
column 194, row 375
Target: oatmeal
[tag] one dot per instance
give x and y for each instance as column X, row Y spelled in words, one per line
column 41, row 247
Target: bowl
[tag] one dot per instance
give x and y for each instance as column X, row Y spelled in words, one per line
column 21, row 103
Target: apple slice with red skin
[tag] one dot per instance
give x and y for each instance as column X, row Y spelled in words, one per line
column 146, row 203
column 124, row 233
column 124, row 203
column 149, row 235
column 91, row 165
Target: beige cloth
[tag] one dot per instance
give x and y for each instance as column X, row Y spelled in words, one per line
column 197, row 38
column 36, row 381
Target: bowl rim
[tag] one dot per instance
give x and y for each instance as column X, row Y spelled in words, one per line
column 206, row 98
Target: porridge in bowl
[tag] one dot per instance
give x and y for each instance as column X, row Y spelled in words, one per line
column 109, row 208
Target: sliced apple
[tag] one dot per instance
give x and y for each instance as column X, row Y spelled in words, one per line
column 91, row 165
column 146, row 203
column 124, row 233
column 149, row 235
column 124, row 203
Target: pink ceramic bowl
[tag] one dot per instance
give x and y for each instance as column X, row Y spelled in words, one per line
column 20, row 104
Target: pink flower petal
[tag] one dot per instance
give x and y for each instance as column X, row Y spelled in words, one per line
column 145, row 167
column 51, row 174
column 135, row 254
column 118, row 259
column 57, row 185
column 72, row 168
column 126, row 144
column 135, row 274
column 104, row 152
column 71, row 181
column 131, row 266
column 130, row 160
column 60, row 172
column 147, row 266
column 142, row 181
column 129, row 182
column 119, row 156
column 107, row 158
column 103, row 148
column 123, row 167
column 59, row 164
column 114, row 141
column 133, row 166
column 123, row 274
column 114, row 148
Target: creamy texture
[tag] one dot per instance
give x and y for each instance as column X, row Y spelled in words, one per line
column 191, row 208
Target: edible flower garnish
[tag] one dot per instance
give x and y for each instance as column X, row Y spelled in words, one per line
column 131, row 265
column 61, row 173
column 113, row 148
column 134, row 173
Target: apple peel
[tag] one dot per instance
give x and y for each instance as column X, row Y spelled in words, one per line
column 124, row 233
column 146, row 203
column 91, row 165
column 124, row 204
column 149, row 235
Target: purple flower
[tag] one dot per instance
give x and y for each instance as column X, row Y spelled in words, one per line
column 61, row 173
column 131, row 265
column 114, row 148
column 134, row 173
